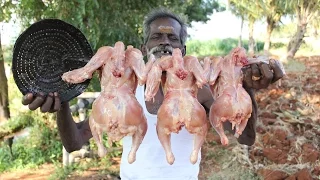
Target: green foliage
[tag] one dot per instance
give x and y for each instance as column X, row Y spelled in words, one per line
column 115, row 145
column 294, row 66
column 6, row 7
column 7, row 53
column 30, row 11
column 16, row 124
column 306, row 47
column 94, row 85
column 102, row 164
column 15, row 96
column 200, row 11
column 62, row 172
column 250, row 10
column 303, row 8
column 278, row 45
column 272, row 10
column 42, row 145
column 216, row 47
column 105, row 23
column 241, row 174
column 285, row 31
column 217, row 155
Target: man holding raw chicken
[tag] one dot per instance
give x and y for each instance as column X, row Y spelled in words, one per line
column 163, row 31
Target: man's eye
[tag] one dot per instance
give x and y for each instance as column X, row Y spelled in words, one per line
column 154, row 37
column 174, row 38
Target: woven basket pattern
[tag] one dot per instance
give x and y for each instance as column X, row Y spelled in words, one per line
column 46, row 50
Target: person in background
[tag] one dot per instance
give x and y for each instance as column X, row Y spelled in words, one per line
column 150, row 162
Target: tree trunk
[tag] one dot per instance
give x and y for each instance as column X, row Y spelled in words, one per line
column 4, row 100
column 240, row 35
column 296, row 40
column 315, row 33
column 270, row 27
column 251, row 39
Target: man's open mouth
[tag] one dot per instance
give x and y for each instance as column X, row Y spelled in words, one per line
column 160, row 51
column 163, row 53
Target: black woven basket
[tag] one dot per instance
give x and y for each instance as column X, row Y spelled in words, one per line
column 46, row 50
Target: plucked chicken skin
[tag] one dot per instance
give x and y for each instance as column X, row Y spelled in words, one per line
column 180, row 107
column 232, row 102
column 116, row 111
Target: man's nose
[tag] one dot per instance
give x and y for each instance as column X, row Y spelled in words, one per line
column 165, row 40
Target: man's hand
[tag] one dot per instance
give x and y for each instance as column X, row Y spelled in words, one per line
column 49, row 103
column 260, row 75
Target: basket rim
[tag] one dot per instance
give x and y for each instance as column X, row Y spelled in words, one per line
column 60, row 28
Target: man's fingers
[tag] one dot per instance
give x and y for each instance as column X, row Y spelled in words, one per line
column 255, row 71
column 267, row 75
column 38, row 101
column 256, row 76
column 47, row 104
column 260, row 75
column 276, row 67
column 57, row 102
column 27, row 99
column 247, row 78
column 51, row 103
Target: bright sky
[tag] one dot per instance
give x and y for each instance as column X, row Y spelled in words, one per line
column 9, row 32
column 223, row 25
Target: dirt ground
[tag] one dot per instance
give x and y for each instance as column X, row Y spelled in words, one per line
column 288, row 132
column 287, row 144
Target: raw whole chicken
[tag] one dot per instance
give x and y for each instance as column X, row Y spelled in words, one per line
column 116, row 111
column 231, row 100
column 180, row 106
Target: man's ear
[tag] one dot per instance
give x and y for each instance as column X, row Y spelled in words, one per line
column 184, row 50
column 143, row 49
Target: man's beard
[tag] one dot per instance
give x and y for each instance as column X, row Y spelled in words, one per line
column 161, row 50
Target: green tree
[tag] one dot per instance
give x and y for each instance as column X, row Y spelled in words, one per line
column 5, row 15
column 105, row 22
column 273, row 10
column 305, row 13
column 315, row 25
column 250, row 11
column 238, row 10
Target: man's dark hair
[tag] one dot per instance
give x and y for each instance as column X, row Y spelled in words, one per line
column 164, row 13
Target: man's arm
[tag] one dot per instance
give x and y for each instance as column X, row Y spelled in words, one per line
column 268, row 74
column 248, row 135
column 73, row 135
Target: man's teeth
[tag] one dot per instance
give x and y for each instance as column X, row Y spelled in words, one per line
column 165, row 52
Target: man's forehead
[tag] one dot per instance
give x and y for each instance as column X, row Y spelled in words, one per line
column 166, row 29
column 165, row 25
